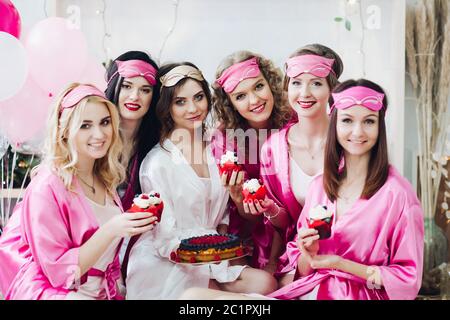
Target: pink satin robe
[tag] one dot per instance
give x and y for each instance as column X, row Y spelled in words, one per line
column 40, row 245
column 260, row 233
column 275, row 173
column 386, row 230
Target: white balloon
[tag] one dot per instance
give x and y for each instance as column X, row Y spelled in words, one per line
column 13, row 65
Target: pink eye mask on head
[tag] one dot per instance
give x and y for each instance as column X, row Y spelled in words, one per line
column 233, row 75
column 136, row 68
column 77, row 94
column 309, row 63
column 359, row 95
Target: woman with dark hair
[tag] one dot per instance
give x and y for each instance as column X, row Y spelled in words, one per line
column 248, row 103
column 376, row 246
column 182, row 168
column 292, row 157
column 374, row 249
column 133, row 88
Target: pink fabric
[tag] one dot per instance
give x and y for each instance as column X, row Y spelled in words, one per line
column 358, row 95
column 233, row 75
column 39, row 248
column 110, row 277
column 136, row 68
column 385, row 231
column 260, row 233
column 79, row 93
column 275, row 175
column 309, row 63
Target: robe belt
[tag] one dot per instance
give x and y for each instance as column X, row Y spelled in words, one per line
column 110, row 277
column 340, row 274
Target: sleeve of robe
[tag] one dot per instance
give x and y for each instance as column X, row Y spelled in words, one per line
column 154, row 176
column 45, row 225
column 402, row 277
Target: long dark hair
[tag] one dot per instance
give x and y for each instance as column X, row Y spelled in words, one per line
column 148, row 132
column 165, row 101
column 378, row 163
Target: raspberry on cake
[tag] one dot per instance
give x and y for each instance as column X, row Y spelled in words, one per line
column 253, row 189
column 229, row 163
column 148, row 202
column 321, row 219
column 207, row 248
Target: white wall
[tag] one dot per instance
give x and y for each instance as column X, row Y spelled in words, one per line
column 206, row 31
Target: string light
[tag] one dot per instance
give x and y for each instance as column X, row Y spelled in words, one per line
column 45, row 8
column 361, row 44
column 171, row 29
column 106, row 34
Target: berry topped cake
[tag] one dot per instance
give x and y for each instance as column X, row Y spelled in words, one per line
column 229, row 163
column 148, row 202
column 210, row 247
column 253, row 189
column 321, row 219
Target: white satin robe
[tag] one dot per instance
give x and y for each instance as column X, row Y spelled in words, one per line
column 189, row 210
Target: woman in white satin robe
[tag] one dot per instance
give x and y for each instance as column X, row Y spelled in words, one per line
column 194, row 199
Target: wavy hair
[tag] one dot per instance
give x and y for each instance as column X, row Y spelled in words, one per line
column 60, row 151
column 223, row 107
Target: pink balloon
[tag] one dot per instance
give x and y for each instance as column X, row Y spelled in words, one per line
column 10, row 18
column 25, row 115
column 94, row 73
column 58, row 54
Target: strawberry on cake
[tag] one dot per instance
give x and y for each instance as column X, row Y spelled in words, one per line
column 253, row 189
column 148, row 202
column 321, row 219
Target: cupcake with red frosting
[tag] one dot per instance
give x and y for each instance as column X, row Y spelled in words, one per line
column 253, row 189
column 321, row 219
column 229, row 163
column 148, row 202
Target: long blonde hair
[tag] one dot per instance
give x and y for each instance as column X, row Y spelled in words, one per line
column 60, row 151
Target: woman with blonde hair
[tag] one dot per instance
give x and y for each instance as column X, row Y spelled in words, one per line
column 248, row 102
column 62, row 240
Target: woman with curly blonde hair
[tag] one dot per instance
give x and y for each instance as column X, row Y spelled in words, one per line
column 62, row 240
column 248, row 102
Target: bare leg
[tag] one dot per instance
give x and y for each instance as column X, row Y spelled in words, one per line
column 275, row 252
column 211, row 294
column 213, row 284
column 285, row 280
column 252, row 281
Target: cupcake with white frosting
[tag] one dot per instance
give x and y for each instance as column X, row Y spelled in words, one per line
column 321, row 219
column 148, row 202
column 229, row 163
column 253, row 189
